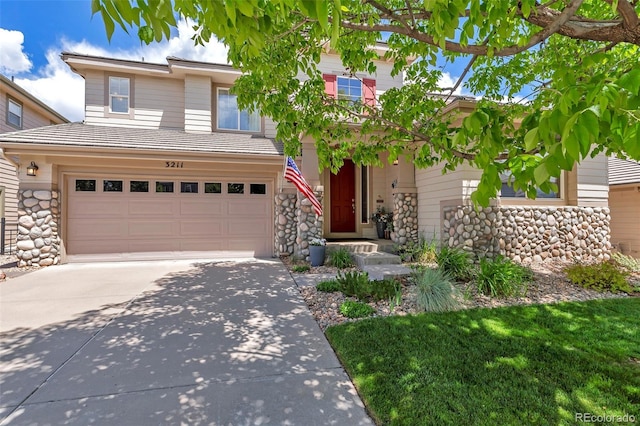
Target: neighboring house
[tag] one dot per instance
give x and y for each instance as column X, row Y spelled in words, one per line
column 624, row 201
column 165, row 164
column 18, row 110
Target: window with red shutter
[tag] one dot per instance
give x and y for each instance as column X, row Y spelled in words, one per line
column 369, row 91
column 330, row 84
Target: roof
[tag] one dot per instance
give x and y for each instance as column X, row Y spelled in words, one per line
column 10, row 83
column 623, row 171
column 79, row 135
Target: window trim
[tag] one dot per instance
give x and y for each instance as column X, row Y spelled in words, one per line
column 260, row 131
column 13, row 100
column 559, row 199
column 107, row 96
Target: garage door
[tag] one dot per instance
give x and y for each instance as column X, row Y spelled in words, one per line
column 127, row 215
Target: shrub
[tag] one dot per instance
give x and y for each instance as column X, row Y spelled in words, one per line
column 351, row 309
column 455, row 263
column 341, row 258
column 384, row 289
column 435, row 293
column 328, row 286
column 604, row 276
column 300, row 268
column 423, row 251
column 502, row 277
column 357, row 284
column 630, row 263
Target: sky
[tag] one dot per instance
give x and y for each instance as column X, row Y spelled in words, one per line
column 33, row 33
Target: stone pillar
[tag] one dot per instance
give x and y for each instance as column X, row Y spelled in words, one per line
column 286, row 223
column 405, row 218
column 309, row 225
column 38, row 218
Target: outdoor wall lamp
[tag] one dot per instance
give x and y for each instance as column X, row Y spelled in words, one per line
column 395, row 162
column 32, row 169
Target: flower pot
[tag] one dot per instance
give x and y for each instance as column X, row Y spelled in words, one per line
column 380, row 227
column 316, row 255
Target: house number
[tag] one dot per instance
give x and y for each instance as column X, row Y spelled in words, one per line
column 174, row 164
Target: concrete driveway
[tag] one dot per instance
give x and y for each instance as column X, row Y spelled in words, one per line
column 168, row 342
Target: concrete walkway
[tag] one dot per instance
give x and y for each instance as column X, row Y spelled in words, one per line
column 171, row 342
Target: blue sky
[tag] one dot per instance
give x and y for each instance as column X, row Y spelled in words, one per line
column 33, row 33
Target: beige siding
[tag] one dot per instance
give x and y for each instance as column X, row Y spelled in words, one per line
column 331, row 64
column 624, row 202
column 592, row 186
column 197, row 112
column 269, row 128
column 9, row 180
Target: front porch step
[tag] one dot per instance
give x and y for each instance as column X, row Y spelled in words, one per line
column 362, row 246
column 381, row 272
column 375, row 258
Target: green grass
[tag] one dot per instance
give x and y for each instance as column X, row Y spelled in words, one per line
column 536, row 364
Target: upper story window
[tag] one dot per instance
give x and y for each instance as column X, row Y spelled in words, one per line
column 507, row 190
column 350, row 88
column 119, row 94
column 231, row 118
column 14, row 114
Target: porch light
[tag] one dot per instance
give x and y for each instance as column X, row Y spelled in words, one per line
column 32, row 169
column 395, row 162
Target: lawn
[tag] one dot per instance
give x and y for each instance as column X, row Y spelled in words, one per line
column 537, row 364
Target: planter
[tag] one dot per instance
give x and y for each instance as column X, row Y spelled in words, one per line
column 316, row 255
column 380, row 227
column 387, row 234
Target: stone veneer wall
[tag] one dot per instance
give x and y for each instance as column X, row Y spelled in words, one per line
column 405, row 218
column 309, row 225
column 286, row 229
column 530, row 233
column 38, row 218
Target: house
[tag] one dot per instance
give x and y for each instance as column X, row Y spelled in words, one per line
column 166, row 165
column 18, row 110
column 624, row 202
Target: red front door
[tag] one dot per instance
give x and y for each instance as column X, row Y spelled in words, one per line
column 343, row 198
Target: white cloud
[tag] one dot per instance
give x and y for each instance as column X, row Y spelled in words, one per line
column 12, row 59
column 60, row 88
column 446, row 82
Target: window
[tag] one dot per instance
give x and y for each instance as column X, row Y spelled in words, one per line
column 119, row 94
column 507, row 190
column 189, row 187
column 86, row 185
column 364, row 190
column 213, row 188
column 139, row 186
column 235, row 188
column 14, row 114
column 258, row 188
column 230, row 118
column 164, row 186
column 350, row 89
column 112, row 186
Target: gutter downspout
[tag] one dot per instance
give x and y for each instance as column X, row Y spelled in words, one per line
column 13, row 163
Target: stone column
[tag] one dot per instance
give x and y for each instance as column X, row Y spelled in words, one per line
column 405, row 218
column 309, row 225
column 38, row 218
column 286, row 223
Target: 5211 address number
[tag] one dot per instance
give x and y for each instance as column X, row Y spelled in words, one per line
column 174, row 164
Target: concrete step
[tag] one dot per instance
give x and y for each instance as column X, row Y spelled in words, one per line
column 375, row 258
column 381, row 272
column 363, row 246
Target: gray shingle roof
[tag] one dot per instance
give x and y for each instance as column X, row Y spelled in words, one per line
column 623, row 171
column 90, row 136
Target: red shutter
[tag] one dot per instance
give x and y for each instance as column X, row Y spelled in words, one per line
column 330, row 84
column 369, row 91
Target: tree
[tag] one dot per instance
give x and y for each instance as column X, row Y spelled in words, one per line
column 568, row 69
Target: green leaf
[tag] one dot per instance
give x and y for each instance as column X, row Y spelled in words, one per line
column 322, row 11
column 531, row 139
column 245, row 8
column 541, row 174
column 631, row 81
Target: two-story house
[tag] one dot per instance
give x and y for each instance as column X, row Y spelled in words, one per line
column 18, row 110
column 166, row 165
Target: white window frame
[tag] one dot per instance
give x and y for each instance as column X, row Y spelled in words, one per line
column 20, row 116
column 112, row 95
column 238, row 111
column 349, row 96
column 541, row 195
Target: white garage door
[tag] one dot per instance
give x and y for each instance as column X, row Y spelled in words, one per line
column 128, row 215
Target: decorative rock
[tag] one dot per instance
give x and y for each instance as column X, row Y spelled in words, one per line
column 42, row 195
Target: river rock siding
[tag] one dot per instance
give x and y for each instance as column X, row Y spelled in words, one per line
column 530, row 233
column 38, row 217
column 296, row 224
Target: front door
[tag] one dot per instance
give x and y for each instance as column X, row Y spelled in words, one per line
column 343, row 198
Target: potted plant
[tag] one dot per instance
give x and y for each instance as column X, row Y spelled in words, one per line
column 316, row 251
column 381, row 217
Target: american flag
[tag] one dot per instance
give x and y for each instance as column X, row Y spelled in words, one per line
column 293, row 175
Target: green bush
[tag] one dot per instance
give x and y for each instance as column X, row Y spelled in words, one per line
column 384, row 289
column 351, row 309
column 357, row 284
column 604, row 276
column 455, row 263
column 435, row 292
column 502, row 277
column 423, row 251
column 341, row 258
column 328, row 286
column 300, row 268
column 630, row 263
